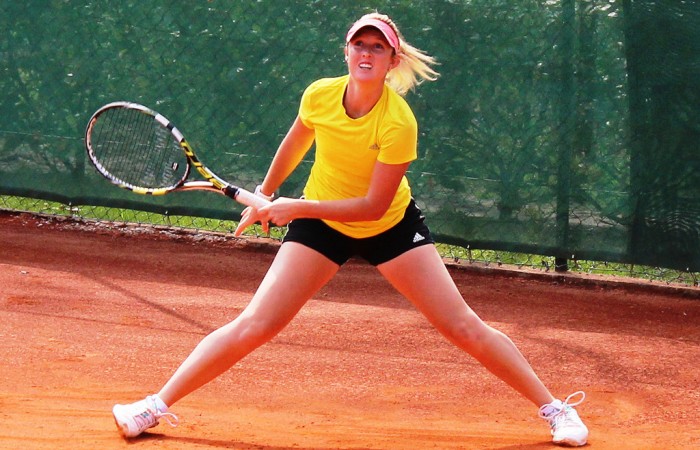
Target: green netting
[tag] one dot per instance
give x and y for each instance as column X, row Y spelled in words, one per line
column 562, row 128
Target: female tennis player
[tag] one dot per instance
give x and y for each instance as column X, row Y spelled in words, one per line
column 357, row 202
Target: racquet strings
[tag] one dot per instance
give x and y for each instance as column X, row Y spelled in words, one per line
column 137, row 150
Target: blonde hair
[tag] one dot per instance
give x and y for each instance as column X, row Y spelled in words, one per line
column 414, row 64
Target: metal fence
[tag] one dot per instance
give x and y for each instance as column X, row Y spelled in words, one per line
column 567, row 129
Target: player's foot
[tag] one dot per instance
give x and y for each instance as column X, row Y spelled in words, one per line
column 566, row 426
column 135, row 418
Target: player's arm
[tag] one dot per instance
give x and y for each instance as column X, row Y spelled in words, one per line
column 292, row 149
column 384, row 183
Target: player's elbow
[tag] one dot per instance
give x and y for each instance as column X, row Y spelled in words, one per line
column 374, row 216
column 376, row 210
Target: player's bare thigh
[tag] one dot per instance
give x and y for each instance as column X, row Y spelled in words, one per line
column 421, row 276
column 296, row 274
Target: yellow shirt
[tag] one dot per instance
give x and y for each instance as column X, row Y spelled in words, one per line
column 347, row 149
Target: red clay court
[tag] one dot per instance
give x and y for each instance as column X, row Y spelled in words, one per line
column 93, row 316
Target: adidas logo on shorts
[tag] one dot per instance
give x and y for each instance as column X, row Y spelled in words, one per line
column 417, row 238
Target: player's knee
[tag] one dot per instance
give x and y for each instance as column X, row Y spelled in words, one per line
column 468, row 333
column 257, row 329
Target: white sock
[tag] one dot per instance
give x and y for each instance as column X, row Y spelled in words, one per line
column 162, row 407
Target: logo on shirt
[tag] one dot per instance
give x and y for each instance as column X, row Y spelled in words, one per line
column 374, row 147
column 417, row 238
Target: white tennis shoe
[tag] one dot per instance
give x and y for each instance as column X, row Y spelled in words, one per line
column 566, row 426
column 135, row 418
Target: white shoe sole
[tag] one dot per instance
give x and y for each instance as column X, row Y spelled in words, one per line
column 569, row 442
column 121, row 426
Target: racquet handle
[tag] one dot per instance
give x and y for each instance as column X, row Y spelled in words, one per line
column 245, row 197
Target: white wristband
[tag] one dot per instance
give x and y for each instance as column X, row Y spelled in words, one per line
column 259, row 193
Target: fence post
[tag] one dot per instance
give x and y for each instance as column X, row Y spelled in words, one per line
column 567, row 104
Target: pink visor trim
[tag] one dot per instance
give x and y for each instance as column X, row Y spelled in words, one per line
column 385, row 28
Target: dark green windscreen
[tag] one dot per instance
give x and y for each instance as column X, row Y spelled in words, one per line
column 563, row 128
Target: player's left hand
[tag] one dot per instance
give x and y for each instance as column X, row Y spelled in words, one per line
column 249, row 216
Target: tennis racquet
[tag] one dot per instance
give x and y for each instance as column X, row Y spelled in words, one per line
column 138, row 149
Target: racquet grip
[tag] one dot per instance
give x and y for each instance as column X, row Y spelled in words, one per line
column 246, row 197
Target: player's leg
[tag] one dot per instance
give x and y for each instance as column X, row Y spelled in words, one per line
column 421, row 276
column 296, row 274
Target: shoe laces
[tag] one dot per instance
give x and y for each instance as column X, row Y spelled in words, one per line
column 170, row 418
column 564, row 415
column 156, row 414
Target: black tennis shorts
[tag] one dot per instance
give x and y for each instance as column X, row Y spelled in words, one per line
column 410, row 232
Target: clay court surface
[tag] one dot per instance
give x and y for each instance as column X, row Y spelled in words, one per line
column 92, row 315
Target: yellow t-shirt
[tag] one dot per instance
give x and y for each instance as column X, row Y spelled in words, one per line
column 347, row 149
